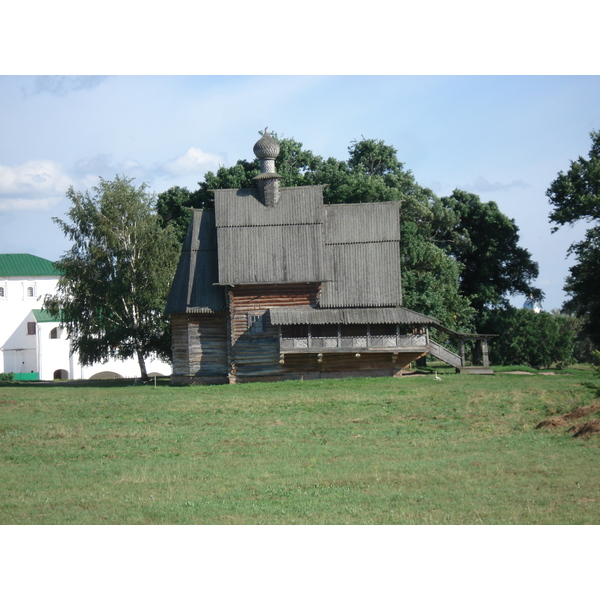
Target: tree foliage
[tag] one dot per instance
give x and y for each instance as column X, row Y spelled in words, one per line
column 528, row 338
column 116, row 276
column 430, row 276
column 583, row 283
column 575, row 196
column 174, row 207
column 583, row 347
column 486, row 243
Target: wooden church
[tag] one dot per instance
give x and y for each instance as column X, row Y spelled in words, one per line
column 274, row 284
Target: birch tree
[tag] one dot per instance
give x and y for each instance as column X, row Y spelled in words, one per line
column 116, row 276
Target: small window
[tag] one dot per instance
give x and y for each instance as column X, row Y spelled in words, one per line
column 256, row 322
column 31, row 328
column 30, row 292
column 55, row 334
column 2, row 292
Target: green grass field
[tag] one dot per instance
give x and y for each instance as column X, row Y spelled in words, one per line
column 412, row 450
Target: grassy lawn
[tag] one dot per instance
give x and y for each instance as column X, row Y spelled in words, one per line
column 464, row 450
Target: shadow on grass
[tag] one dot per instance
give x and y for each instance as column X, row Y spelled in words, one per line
column 430, row 369
column 91, row 383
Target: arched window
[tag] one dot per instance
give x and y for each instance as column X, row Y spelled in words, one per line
column 2, row 292
column 30, row 292
column 55, row 333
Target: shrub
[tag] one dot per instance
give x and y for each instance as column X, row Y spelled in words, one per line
column 525, row 337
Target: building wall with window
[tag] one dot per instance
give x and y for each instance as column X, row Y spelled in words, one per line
column 24, row 282
column 32, row 343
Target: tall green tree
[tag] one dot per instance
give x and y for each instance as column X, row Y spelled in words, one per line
column 575, row 196
column 116, row 276
column 486, row 243
column 583, row 283
column 174, row 207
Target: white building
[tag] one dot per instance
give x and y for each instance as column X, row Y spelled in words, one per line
column 32, row 343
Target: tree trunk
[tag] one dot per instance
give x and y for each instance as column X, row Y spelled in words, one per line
column 142, row 363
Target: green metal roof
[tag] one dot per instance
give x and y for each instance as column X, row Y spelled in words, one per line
column 43, row 316
column 25, row 265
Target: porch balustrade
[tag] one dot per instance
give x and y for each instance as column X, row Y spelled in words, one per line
column 352, row 343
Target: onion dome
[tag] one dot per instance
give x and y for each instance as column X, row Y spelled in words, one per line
column 267, row 150
column 266, row 147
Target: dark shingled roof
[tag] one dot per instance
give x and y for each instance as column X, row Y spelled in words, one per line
column 347, row 316
column 362, row 253
column 278, row 244
column 353, row 249
column 193, row 289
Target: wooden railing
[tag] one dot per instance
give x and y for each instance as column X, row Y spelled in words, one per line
column 352, row 343
column 445, row 355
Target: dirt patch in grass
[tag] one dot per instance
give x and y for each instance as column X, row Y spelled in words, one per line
column 581, row 429
column 529, row 373
column 553, row 422
column 578, row 413
column 582, row 411
column 585, row 429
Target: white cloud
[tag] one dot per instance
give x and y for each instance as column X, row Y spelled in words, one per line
column 89, row 170
column 193, row 161
column 483, row 185
column 13, row 204
column 98, row 165
column 34, row 185
column 131, row 164
column 61, row 85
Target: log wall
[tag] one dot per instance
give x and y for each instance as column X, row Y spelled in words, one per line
column 227, row 347
column 199, row 343
column 255, row 354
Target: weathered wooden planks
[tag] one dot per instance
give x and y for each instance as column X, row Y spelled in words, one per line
column 255, row 350
column 199, row 346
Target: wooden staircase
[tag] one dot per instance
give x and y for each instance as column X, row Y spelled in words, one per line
column 444, row 354
column 455, row 360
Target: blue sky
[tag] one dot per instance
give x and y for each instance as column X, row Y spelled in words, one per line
column 504, row 138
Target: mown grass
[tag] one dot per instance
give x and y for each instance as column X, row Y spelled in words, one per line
column 463, row 450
